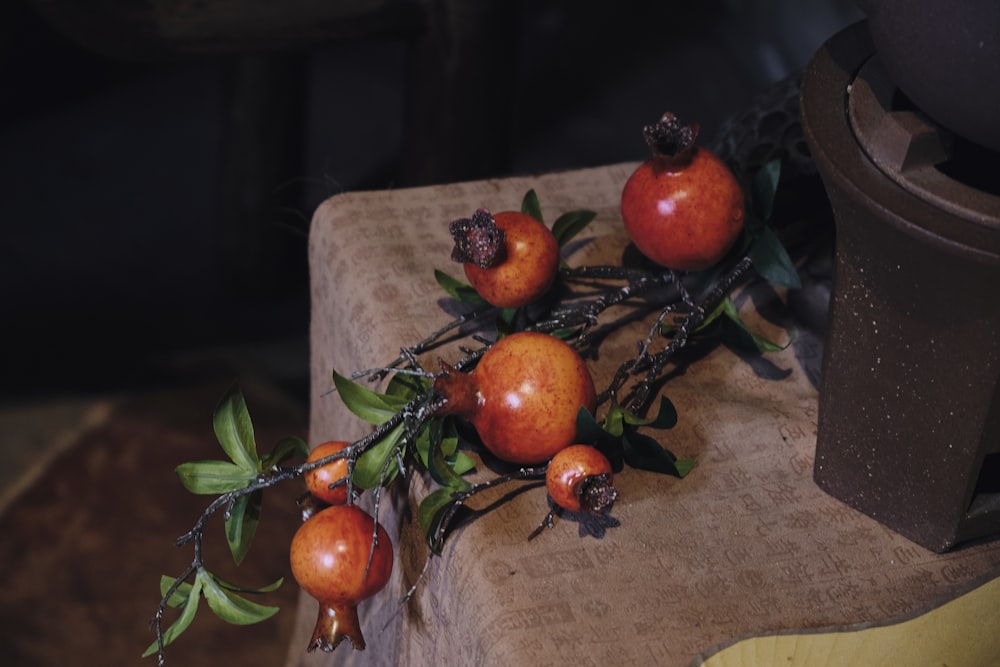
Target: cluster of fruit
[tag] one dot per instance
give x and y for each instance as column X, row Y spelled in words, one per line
column 683, row 209
column 529, row 395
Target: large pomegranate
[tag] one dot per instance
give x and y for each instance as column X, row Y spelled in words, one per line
column 523, row 396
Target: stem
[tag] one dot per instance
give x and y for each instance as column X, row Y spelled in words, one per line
column 655, row 363
column 408, row 353
column 459, row 497
column 586, row 314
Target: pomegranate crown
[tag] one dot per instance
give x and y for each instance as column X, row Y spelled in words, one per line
column 669, row 138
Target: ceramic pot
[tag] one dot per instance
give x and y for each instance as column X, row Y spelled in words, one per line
column 945, row 56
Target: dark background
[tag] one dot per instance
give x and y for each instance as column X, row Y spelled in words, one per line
column 120, row 263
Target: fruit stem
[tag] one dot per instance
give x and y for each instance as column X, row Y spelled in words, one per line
column 333, row 624
column 478, row 240
column 458, row 391
column 669, row 140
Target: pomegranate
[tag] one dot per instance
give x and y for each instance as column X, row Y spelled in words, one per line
column 333, row 559
column 510, row 258
column 327, row 481
column 523, row 396
column 683, row 208
column 579, row 478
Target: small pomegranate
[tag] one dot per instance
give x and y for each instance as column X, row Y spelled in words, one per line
column 333, row 560
column 523, row 396
column 326, row 481
column 579, row 479
column 683, row 208
column 510, row 258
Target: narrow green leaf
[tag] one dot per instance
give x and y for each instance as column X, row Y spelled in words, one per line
column 234, row 430
column 422, row 446
column 270, row 588
column 744, row 337
column 439, row 468
column 666, row 416
column 684, row 466
column 290, row 447
column 180, row 596
column 568, row 225
column 668, row 327
column 457, row 289
column 614, row 420
column 213, row 477
column 406, row 387
column 764, row 187
column 645, row 453
column 531, row 206
column 371, row 406
column 231, row 607
column 461, row 463
column 382, row 456
column 587, row 428
column 430, row 514
column 241, row 524
column 771, row 260
column 182, row 622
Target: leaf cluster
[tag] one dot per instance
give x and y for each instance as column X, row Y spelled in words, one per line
column 618, row 436
column 228, row 480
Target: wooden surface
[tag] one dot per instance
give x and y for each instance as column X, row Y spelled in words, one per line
column 745, row 545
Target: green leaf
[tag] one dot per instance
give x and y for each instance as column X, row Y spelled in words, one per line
column 589, row 431
column 614, row 420
column 531, row 206
column 457, row 289
column 241, row 524
column 437, row 463
column 506, row 322
column 684, row 466
column 382, row 456
column 764, row 187
column 461, row 463
column 231, row 607
column 270, row 588
column 431, row 513
column 406, row 387
column 213, row 477
column 666, row 416
column 179, row 596
column 290, row 447
column 457, row 461
column 645, row 453
column 742, row 335
column 772, row 262
column 568, row 225
column 668, row 327
column 234, row 430
column 183, row 621
column 371, row 406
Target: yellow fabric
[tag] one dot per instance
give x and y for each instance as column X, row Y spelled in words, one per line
column 964, row 632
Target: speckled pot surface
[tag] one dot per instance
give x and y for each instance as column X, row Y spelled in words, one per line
column 909, row 415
